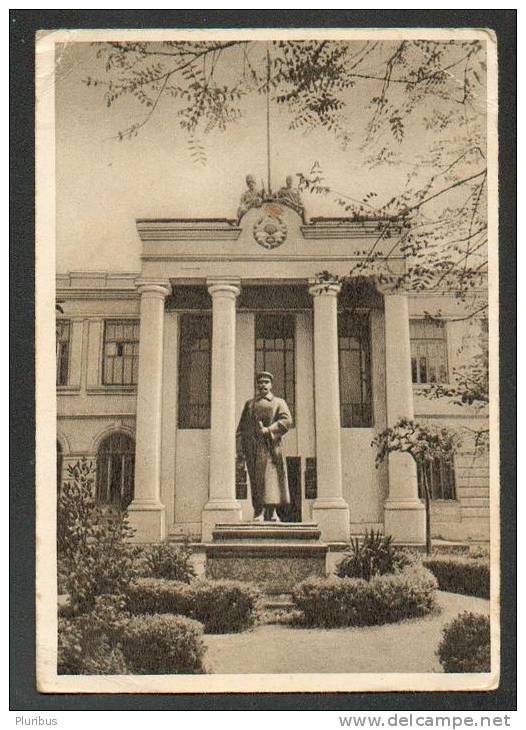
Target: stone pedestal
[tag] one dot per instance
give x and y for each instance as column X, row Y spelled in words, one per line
column 275, row 557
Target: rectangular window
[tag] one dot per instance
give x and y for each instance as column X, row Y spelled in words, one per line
column 275, row 353
column 440, row 478
column 354, row 354
column 121, row 352
column 63, row 335
column 195, row 359
column 428, row 351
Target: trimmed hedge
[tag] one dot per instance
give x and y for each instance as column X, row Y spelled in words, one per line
column 163, row 644
column 223, row 606
column 461, row 575
column 465, row 645
column 331, row 602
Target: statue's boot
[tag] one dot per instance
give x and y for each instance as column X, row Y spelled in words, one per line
column 259, row 518
column 275, row 517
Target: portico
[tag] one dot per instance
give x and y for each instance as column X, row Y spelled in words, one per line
column 217, row 298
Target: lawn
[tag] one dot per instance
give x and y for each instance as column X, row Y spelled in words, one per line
column 408, row 646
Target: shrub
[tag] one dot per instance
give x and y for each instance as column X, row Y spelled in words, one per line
column 224, row 606
column 374, row 555
column 221, row 605
column 166, row 561
column 163, row 644
column 461, row 575
column 94, row 554
column 330, row 602
column 90, row 643
column 465, row 644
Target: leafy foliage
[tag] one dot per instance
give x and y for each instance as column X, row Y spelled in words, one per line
column 90, row 643
column 164, row 560
column 374, row 555
column 94, row 553
column 466, row 644
column 332, row 602
column 422, row 441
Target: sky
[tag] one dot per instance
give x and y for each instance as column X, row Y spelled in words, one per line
column 103, row 185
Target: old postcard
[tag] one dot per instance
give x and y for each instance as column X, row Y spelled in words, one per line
column 267, row 360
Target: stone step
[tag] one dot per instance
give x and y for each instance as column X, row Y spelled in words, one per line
column 266, row 531
column 277, row 602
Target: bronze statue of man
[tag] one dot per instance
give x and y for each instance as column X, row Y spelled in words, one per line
column 263, row 423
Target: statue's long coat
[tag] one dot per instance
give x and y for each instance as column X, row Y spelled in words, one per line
column 263, row 454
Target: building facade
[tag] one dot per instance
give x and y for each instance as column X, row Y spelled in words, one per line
column 153, row 370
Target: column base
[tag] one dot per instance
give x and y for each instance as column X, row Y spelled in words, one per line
column 148, row 521
column 405, row 520
column 332, row 517
column 216, row 512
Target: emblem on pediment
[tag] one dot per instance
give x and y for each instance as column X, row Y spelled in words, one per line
column 270, row 230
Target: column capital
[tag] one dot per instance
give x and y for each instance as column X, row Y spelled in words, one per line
column 161, row 287
column 218, row 287
column 324, row 288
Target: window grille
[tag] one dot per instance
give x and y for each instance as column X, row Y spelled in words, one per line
column 275, row 353
column 354, row 352
column 116, row 470
column 63, row 334
column 121, row 352
column 195, row 360
column 440, row 478
column 428, row 351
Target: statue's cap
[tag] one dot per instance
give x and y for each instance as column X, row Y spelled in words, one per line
column 264, row 374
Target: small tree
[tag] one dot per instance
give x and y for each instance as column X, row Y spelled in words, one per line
column 95, row 556
column 424, row 443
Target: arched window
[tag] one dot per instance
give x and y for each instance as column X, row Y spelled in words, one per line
column 60, row 458
column 115, row 470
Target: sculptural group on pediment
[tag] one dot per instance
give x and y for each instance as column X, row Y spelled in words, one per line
column 254, row 197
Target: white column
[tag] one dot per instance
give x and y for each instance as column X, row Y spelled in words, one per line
column 404, row 515
column 222, row 505
column 330, row 510
column 147, row 511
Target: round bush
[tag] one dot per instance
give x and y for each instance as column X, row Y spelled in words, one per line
column 330, row 602
column 466, row 644
column 163, row 644
column 223, row 606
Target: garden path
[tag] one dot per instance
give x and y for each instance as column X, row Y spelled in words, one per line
column 408, row 646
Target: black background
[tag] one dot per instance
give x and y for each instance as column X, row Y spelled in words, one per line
column 23, row 25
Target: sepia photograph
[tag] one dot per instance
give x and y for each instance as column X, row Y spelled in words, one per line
column 267, row 360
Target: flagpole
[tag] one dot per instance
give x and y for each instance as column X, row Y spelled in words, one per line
column 268, row 123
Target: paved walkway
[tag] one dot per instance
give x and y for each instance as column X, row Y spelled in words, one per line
column 404, row 647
